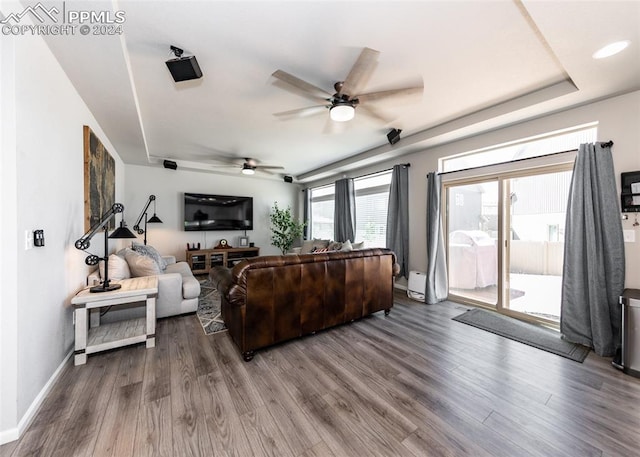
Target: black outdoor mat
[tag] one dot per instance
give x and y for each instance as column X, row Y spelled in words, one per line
column 523, row 332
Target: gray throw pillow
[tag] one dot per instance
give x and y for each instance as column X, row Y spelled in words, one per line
column 152, row 252
column 141, row 265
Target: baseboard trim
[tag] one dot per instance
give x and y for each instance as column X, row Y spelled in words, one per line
column 12, row 434
column 400, row 286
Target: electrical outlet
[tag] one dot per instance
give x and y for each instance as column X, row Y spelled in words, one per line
column 629, row 236
column 28, row 240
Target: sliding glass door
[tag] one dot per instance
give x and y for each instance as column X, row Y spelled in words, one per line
column 472, row 227
column 535, row 250
column 505, row 241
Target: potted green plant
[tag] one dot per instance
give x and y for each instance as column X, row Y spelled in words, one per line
column 284, row 228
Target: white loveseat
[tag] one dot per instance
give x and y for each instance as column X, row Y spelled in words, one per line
column 178, row 289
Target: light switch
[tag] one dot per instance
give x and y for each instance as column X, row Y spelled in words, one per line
column 629, row 236
column 28, row 240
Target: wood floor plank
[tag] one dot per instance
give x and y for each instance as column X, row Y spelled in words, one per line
column 422, row 443
column 336, row 433
column 58, row 406
column 118, row 430
column 298, row 432
column 364, row 401
column 190, row 435
column 319, row 450
column 39, row 442
column 304, row 378
column 242, row 390
column 223, row 422
column 202, row 352
column 264, row 436
column 154, row 433
column 524, row 438
column 82, row 430
column 529, row 415
column 156, row 383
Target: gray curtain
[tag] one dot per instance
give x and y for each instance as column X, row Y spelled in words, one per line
column 307, row 213
column 437, row 283
column 593, row 272
column 344, row 221
column 398, row 217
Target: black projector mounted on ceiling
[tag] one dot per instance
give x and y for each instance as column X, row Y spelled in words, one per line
column 183, row 68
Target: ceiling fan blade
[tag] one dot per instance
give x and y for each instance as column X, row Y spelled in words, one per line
column 303, row 112
column 269, row 167
column 375, row 96
column 360, row 72
column 228, row 160
column 374, row 114
column 305, row 87
column 267, row 172
column 217, row 165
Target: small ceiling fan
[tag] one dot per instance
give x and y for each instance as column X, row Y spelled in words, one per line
column 250, row 166
column 247, row 165
column 348, row 95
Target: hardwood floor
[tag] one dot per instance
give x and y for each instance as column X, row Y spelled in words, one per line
column 415, row 383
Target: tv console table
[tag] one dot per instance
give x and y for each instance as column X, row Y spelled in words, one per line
column 203, row 260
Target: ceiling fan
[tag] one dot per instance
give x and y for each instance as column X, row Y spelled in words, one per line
column 247, row 165
column 348, row 95
column 250, row 166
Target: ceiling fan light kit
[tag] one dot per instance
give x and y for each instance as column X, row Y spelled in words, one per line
column 342, row 112
column 248, row 169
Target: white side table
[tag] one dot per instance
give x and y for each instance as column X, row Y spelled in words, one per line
column 117, row 334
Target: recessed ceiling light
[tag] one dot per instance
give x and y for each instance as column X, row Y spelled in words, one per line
column 611, row 49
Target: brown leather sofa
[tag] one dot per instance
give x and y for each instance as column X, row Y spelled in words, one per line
column 266, row 300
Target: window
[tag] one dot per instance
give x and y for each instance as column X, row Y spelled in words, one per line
column 322, row 205
column 372, row 197
column 541, row 145
column 372, row 201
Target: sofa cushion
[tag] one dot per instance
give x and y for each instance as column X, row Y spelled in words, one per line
column 335, row 246
column 190, row 285
column 141, row 265
column 152, row 252
column 346, row 246
column 118, row 268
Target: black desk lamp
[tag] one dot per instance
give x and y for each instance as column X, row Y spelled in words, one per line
column 84, row 243
column 154, row 219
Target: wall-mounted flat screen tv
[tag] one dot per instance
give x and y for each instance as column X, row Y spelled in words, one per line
column 217, row 212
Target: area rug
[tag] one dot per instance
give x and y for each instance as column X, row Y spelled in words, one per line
column 523, row 332
column 209, row 309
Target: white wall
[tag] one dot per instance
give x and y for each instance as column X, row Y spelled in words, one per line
column 618, row 118
column 42, row 188
column 169, row 186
